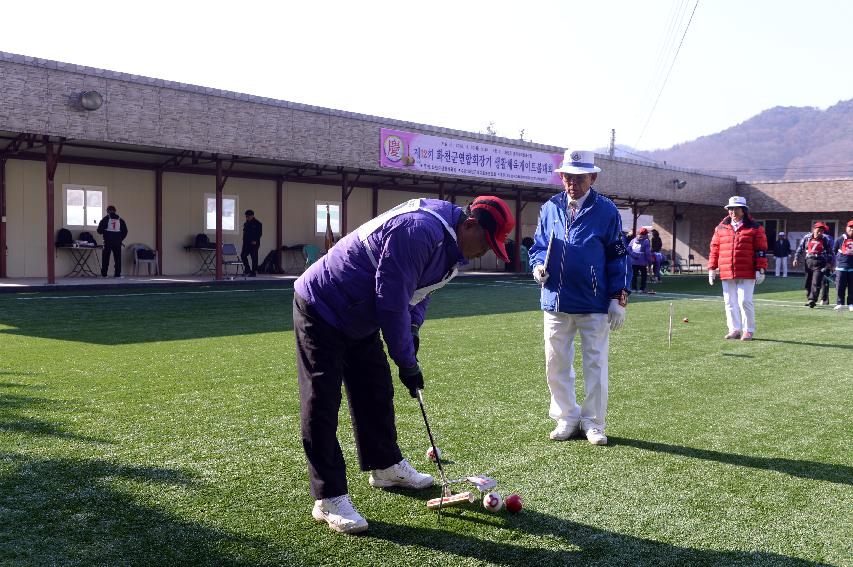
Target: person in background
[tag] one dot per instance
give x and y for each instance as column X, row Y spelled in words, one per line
column 375, row 283
column 252, row 231
column 657, row 246
column 781, row 251
column 739, row 257
column 844, row 269
column 640, row 254
column 816, row 251
column 584, row 290
column 114, row 230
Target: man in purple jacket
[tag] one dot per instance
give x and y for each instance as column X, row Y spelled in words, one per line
column 377, row 278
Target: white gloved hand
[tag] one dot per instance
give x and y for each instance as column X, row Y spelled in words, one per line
column 712, row 274
column 615, row 315
column 539, row 274
column 759, row 277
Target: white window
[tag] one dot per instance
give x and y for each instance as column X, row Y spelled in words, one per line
column 84, row 205
column 334, row 216
column 229, row 212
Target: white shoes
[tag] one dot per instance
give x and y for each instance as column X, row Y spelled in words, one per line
column 839, row 307
column 563, row 431
column 340, row 514
column 596, row 436
column 402, row 474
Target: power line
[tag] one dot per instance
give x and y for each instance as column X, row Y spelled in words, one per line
column 643, row 131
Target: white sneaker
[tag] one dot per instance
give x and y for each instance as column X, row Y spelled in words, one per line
column 402, row 474
column 839, row 307
column 824, row 302
column 563, row 431
column 850, row 307
column 340, row 514
column 596, row 436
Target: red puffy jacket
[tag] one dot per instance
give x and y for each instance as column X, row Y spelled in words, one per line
column 738, row 255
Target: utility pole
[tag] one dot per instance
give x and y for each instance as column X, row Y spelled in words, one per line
column 612, row 141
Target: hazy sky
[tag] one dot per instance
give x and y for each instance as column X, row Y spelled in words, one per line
column 564, row 71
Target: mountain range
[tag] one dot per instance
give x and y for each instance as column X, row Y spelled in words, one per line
column 779, row 143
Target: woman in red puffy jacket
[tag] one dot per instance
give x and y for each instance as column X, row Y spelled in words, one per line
column 739, row 257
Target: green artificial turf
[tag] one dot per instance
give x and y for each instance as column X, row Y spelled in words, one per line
column 161, row 427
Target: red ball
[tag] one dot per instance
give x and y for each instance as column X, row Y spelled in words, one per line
column 513, row 503
column 685, row 320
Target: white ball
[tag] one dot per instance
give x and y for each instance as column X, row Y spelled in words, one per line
column 431, row 455
column 492, row 501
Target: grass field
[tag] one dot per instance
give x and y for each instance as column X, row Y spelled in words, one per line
column 157, row 427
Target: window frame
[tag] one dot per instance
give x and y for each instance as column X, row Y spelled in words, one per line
column 779, row 222
column 317, row 229
column 237, row 227
column 85, row 188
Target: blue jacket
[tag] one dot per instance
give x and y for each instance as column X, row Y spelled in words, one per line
column 414, row 250
column 588, row 263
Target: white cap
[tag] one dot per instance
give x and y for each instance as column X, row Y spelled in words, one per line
column 736, row 202
column 578, row 161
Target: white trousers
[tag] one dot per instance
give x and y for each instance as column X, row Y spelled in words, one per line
column 740, row 310
column 560, row 330
column 783, row 264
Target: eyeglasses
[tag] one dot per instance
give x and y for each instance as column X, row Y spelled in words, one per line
column 574, row 178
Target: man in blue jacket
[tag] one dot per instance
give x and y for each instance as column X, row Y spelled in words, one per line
column 376, row 279
column 580, row 259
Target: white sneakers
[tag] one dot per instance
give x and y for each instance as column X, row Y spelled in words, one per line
column 596, row 436
column 340, row 514
column 841, row 307
column 563, row 431
column 402, row 474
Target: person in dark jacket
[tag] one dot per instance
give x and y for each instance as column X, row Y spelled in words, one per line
column 739, row 257
column 376, row 279
column 114, row 230
column 781, row 251
column 657, row 246
column 844, row 268
column 816, row 251
column 252, row 231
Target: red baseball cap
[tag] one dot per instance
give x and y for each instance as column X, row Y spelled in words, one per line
column 494, row 216
column 644, row 230
column 850, row 223
column 821, row 225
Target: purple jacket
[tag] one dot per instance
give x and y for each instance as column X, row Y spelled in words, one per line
column 413, row 250
column 640, row 252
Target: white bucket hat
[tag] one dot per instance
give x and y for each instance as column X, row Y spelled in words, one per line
column 736, row 202
column 578, row 161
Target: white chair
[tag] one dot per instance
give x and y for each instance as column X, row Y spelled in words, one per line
column 144, row 254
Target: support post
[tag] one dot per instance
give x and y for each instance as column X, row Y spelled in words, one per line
column 517, row 267
column 674, row 235
column 344, row 183
column 158, row 218
column 51, row 158
column 375, row 203
column 3, row 217
column 279, row 219
column 220, row 185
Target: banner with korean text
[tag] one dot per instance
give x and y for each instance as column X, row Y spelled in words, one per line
column 448, row 156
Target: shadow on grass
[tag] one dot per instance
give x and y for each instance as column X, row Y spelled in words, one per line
column 839, row 474
column 805, row 343
column 12, row 420
column 65, row 512
column 588, row 545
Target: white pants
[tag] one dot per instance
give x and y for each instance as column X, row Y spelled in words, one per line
column 782, row 263
column 560, row 330
column 740, row 311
